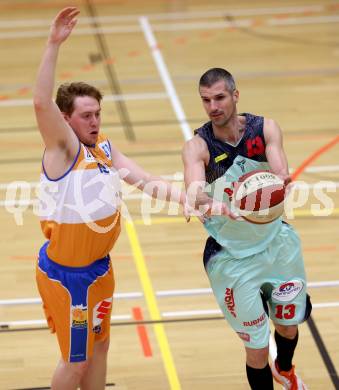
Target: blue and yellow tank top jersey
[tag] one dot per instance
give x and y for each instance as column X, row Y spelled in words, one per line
column 79, row 212
column 226, row 165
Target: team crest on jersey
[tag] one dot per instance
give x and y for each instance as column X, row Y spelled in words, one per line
column 241, row 164
column 79, row 316
column 88, row 156
column 287, row 291
column 100, row 311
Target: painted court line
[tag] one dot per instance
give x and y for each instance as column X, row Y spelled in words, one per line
column 321, row 213
column 208, row 312
column 107, row 98
column 185, row 26
column 43, row 322
column 160, row 294
column 142, row 332
column 12, row 24
column 153, row 309
column 14, row 206
column 179, row 176
column 308, row 161
column 177, row 314
column 165, row 77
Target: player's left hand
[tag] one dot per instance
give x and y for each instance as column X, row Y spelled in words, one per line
column 287, row 179
column 63, row 24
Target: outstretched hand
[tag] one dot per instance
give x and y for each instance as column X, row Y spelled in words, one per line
column 288, row 183
column 63, row 24
column 207, row 211
column 190, row 211
column 220, row 208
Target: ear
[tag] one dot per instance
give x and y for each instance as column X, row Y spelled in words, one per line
column 66, row 116
column 236, row 96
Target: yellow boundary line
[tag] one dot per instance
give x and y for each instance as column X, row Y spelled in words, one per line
column 152, row 306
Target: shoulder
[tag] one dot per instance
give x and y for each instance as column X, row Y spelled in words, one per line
column 196, row 148
column 196, row 143
column 271, row 129
column 115, row 152
column 205, row 130
column 269, row 123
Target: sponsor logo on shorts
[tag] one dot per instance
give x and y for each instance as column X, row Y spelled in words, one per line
column 244, row 336
column 259, row 322
column 287, row 291
column 79, row 316
column 99, row 313
column 229, row 301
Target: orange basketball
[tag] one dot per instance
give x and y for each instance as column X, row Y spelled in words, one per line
column 259, row 197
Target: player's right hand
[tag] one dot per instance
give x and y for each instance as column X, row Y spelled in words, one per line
column 190, row 211
column 63, row 25
column 220, row 208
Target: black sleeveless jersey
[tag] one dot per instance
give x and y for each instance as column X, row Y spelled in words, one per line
column 222, row 155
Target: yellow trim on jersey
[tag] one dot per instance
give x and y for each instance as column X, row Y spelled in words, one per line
column 221, row 157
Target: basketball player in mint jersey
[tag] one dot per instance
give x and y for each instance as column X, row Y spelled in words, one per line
column 256, row 271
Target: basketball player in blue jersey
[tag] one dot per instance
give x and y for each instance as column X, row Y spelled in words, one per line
column 256, row 271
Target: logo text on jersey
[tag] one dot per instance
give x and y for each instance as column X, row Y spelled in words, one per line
column 258, row 322
column 229, row 301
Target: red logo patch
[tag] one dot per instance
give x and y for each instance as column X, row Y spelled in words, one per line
column 244, row 336
column 100, row 311
column 255, row 146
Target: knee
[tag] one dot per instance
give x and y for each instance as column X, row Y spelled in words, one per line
column 101, row 347
column 289, row 331
column 77, row 370
column 257, row 358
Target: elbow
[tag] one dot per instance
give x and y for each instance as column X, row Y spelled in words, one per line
column 40, row 104
column 37, row 103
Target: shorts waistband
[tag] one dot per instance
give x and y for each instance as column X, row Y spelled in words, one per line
column 43, row 256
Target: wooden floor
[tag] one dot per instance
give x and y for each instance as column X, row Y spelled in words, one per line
column 284, row 56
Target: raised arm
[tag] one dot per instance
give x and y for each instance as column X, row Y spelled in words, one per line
column 275, row 151
column 56, row 133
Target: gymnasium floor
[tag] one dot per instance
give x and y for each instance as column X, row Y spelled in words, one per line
column 147, row 57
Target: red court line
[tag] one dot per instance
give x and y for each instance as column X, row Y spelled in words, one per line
column 142, row 332
column 313, row 157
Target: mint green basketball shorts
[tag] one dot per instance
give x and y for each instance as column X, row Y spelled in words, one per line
column 277, row 274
